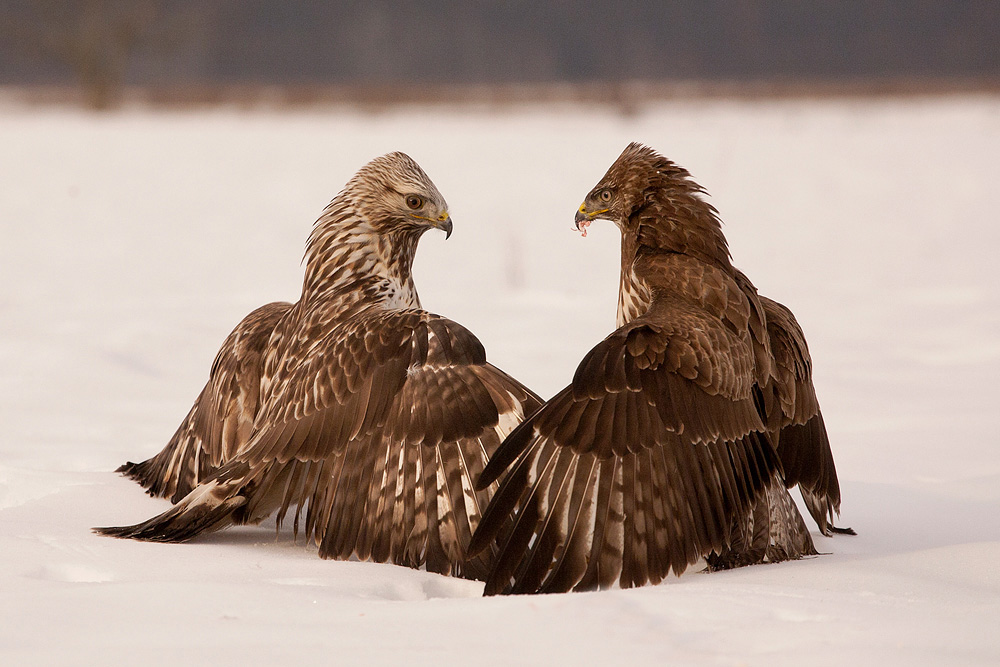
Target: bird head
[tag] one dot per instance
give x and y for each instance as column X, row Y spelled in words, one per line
column 395, row 195
column 656, row 202
column 624, row 188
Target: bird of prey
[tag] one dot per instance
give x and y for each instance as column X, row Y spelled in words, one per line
column 669, row 444
column 372, row 417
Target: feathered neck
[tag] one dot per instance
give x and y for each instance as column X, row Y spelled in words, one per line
column 347, row 258
column 672, row 218
column 634, row 296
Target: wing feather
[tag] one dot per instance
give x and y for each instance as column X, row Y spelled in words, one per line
column 401, row 442
column 514, row 539
column 680, row 437
column 570, row 563
column 377, row 428
column 795, row 420
column 218, row 426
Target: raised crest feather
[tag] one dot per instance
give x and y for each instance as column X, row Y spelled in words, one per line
column 672, row 442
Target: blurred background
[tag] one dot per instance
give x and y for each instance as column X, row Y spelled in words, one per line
column 161, row 162
column 103, row 52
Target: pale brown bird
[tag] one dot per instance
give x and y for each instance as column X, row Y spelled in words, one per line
column 375, row 417
column 662, row 449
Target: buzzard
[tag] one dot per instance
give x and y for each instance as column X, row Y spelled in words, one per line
column 372, row 417
column 669, row 444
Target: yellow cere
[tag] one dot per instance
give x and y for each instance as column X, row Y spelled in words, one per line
column 591, row 214
column 441, row 218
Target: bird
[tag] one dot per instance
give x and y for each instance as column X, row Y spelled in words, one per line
column 370, row 416
column 664, row 448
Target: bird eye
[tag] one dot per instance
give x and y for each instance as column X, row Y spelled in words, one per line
column 414, row 202
column 605, row 195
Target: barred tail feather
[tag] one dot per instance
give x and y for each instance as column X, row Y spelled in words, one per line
column 773, row 532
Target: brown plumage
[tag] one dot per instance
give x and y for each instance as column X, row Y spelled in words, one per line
column 372, row 418
column 795, row 423
column 660, row 451
column 219, row 423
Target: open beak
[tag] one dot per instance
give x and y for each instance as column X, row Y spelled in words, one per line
column 584, row 218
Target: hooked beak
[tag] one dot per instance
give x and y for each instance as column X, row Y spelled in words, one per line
column 442, row 222
column 584, row 218
column 444, row 225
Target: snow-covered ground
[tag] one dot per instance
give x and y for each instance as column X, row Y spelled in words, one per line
column 131, row 243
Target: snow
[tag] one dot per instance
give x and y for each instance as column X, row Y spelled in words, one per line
column 132, row 242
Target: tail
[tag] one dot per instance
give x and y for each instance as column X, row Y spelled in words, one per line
column 773, row 532
column 213, row 505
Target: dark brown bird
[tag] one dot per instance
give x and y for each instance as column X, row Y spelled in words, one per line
column 662, row 450
column 369, row 415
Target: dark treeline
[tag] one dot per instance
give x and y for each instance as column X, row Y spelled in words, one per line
column 304, row 42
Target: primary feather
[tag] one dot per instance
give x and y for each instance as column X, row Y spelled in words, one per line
column 373, row 417
column 219, row 423
column 662, row 449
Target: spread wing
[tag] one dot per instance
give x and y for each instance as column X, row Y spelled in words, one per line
column 795, row 421
column 644, row 464
column 376, row 434
column 220, row 421
column 395, row 438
